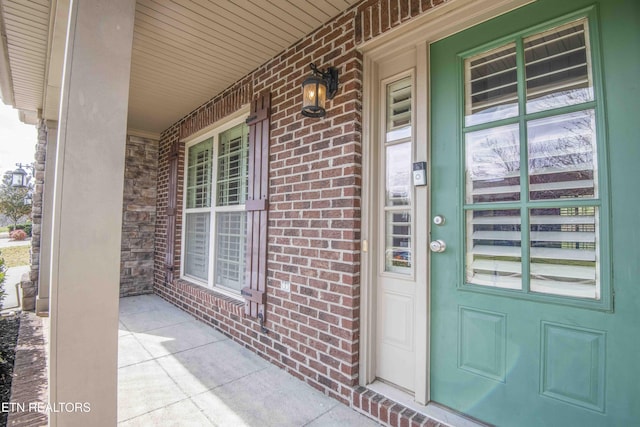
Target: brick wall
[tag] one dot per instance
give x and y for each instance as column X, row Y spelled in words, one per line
column 315, row 207
column 376, row 17
column 138, row 216
column 314, row 217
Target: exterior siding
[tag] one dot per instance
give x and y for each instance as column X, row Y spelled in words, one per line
column 315, row 208
column 30, row 286
column 138, row 216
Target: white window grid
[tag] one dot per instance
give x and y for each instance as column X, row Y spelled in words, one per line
column 227, row 229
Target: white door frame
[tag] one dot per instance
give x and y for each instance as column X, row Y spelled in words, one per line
column 418, row 33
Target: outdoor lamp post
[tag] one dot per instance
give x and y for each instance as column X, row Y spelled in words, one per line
column 316, row 89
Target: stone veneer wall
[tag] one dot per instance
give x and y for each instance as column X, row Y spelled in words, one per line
column 138, row 223
column 29, row 286
column 138, row 216
column 315, row 183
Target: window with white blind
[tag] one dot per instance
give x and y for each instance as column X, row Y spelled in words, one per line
column 398, row 190
column 532, row 194
column 215, row 223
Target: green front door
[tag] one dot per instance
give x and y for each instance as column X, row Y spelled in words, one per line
column 535, row 150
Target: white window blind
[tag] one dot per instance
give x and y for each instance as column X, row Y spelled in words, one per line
column 558, row 67
column 399, row 110
column 232, row 167
column 199, row 174
column 561, row 152
column 196, row 257
column 198, row 204
column 491, row 86
column 219, row 162
column 230, row 250
column 232, row 174
column 398, row 190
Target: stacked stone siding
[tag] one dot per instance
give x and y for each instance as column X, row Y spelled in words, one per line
column 315, row 183
column 29, row 283
column 138, row 216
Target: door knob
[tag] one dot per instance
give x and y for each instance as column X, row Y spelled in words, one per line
column 437, row 246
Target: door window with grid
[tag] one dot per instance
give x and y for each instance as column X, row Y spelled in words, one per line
column 215, row 218
column 532, row 196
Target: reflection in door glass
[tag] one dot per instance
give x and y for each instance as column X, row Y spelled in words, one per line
column 398, row 190
column 493, row 165
column 398, row 187
column 550, row 74
column 562, row 156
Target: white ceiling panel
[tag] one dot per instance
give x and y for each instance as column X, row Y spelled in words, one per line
column 187, row 51
column 184, row 51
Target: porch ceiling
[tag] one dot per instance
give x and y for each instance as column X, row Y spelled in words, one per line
column 184, row 51
column 25, row 29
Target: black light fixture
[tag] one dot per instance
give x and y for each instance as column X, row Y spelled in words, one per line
column 28, row 199
column 316, row 89
column 18, row 176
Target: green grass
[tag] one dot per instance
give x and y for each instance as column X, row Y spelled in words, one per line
column 15, row 256
column 4, row 229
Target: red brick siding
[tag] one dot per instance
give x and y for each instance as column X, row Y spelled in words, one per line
column 374, row 17
column 314, row 218
column 315, row 207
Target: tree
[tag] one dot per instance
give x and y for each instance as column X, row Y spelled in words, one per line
column 12, row 202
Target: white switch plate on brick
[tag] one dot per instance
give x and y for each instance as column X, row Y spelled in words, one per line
column 285, row 286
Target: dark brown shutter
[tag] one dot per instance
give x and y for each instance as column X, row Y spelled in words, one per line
column 172, row 210
column 255, row 291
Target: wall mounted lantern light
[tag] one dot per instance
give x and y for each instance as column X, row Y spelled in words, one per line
column 316, row 89
column 19, row 176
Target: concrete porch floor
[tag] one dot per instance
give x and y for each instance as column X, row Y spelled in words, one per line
column 174, row 370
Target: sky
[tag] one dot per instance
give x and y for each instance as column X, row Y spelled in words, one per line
column 17, row 140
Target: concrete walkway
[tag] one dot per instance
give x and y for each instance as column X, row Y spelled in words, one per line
column 14, row 274
column 176, row 371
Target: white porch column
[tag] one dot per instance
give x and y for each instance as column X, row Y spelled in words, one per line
column 87, row 212
column 44, row 275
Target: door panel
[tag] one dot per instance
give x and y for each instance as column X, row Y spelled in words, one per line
column 524, row 327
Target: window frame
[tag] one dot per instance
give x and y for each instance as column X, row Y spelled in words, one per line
column 383, row 144
column 213, row 131
column 601, row 201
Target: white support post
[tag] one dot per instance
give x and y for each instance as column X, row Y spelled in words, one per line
column 87, row 213
column 44, row 276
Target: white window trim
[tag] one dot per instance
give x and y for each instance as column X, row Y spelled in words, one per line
column 212, row 131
